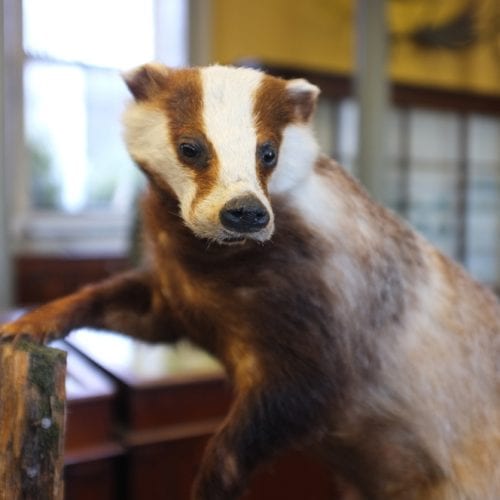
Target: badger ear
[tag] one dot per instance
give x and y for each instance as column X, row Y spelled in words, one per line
column 304, row 96
column 146, row 80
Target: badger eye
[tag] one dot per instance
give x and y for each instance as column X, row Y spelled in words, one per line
column 190, row 151
column 268, row 154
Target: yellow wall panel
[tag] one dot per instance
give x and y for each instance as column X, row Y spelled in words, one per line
column 405, row 16
column 475, row 67
column 319, row 34
column 311, row 34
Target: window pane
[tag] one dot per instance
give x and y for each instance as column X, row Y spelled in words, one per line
column 111, row 175
column 111, row 33
column 73, row 134
column 434, row 136
column 433, row 177
column 483, row 222
column 74, row 98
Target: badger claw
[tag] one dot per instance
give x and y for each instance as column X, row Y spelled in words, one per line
column 19, row 330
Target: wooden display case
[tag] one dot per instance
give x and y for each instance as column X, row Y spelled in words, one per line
column 93, row 454
column 171, row 400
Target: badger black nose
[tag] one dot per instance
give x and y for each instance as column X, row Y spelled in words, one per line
column 245, row 214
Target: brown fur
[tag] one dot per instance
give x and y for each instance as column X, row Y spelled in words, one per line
column 323, row 333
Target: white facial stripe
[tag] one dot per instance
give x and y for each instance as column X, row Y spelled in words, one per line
column 228, row 121
column 228, row 100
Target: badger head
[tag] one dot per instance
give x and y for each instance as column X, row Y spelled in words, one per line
column 221, row 140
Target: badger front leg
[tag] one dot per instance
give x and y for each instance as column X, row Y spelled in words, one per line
column 262, row 422
column 127, row 303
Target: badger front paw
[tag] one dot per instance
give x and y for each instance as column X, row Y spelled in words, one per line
column 26, row 329
column 45, row 323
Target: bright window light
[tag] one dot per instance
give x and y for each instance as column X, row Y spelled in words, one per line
column 74, row 98
column 108, row 33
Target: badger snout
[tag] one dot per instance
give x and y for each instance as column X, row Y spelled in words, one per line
column 244, row 214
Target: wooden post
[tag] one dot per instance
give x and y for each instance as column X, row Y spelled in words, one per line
column 32, row 408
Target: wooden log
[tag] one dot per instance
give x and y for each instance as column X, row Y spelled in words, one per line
column 32, row 409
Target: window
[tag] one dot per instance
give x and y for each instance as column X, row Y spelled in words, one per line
column 433, row 177
column 73, row 99
column 483, row 198
column 80, row 185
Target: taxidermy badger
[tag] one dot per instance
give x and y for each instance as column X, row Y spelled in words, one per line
column 341, row 328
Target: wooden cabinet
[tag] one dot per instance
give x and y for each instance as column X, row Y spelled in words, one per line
column 93, row 453
column 170, row 401
column 39, row 279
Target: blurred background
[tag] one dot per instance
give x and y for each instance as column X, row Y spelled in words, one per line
column 425, row 139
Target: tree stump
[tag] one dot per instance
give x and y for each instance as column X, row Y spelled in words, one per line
column 32, row 408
